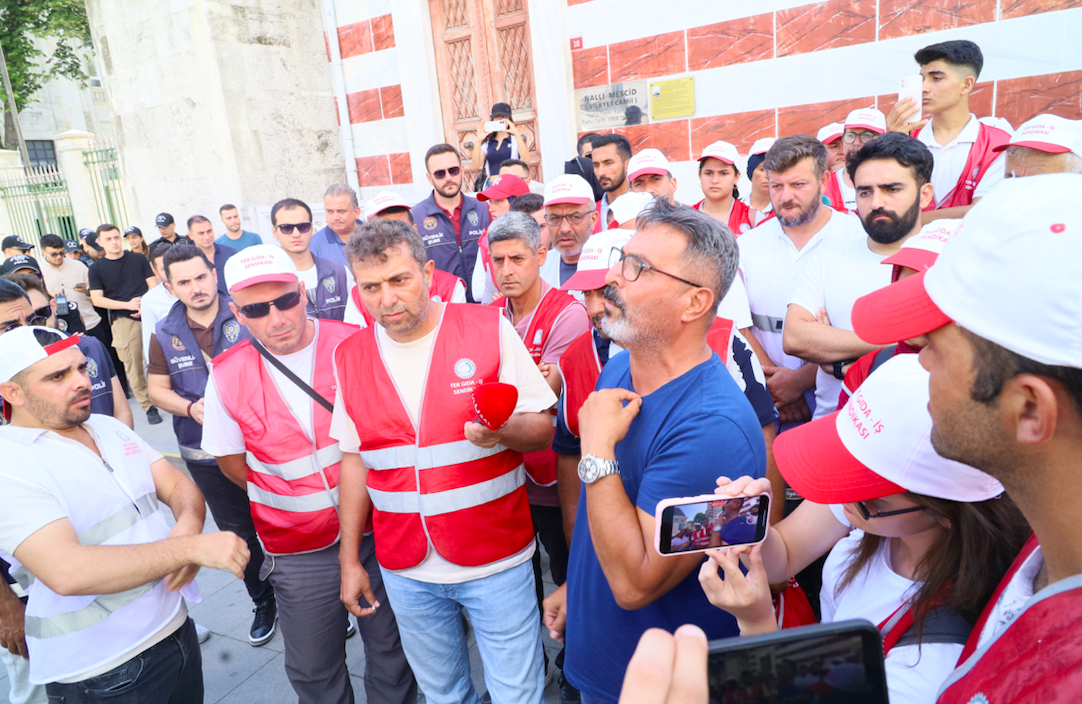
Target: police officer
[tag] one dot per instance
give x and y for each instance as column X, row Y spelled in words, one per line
column 326, row 281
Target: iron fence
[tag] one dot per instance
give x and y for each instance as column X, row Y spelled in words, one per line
column 38, row 204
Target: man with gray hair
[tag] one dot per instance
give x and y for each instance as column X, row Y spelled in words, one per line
column 683, row 413
column 343, row 214
column 1047, row 144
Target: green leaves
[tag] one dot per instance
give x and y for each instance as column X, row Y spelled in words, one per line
column 63, row 26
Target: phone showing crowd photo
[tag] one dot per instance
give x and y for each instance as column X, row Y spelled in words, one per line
column 495, row 126
column 912, row 87
column 698, row 523
column 828, row 663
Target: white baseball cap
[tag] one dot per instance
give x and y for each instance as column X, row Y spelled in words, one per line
column 878, row 444
column 647, row 161
column 1048, row 133
column 1009, row 275
column 259, row 264
column 382, row 201
column 720, row 150
column 761, row 146
column 830, row 132
column 27, row 345
column 594, row 260
column 628, row 206
column 568, row 188
column 867, row 118
column 920, row 252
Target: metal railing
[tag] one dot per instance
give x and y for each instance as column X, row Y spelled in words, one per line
column 38, row 204
column 104, row 168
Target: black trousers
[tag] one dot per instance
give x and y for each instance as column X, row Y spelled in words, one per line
column 231, row 510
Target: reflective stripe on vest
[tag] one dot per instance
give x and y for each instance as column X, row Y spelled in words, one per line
column 305, row 503
column 90, row 615
column 123, row 519
column 298, row 468
column 767, row 323
column 448, row 453
column 449, row 501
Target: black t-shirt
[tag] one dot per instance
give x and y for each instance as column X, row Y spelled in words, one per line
column 121, row 279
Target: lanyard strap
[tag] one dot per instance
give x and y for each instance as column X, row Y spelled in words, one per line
column 316, row 396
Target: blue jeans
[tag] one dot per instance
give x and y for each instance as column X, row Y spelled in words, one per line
column 169, row 673
column 503, row 611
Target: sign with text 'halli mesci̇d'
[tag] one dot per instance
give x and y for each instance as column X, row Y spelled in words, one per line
column 615, row 105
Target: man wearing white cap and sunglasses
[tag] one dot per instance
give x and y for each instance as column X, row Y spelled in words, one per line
column 1047, row 144
column 83, row 529
column 267, row 416
column 1005, row 397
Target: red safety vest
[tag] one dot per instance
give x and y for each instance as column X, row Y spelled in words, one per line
column 980, row 158
column 739, row 216
column 541, row 465
column 443, row 289
column 292, row 481
column 833, row 192
column 429, row 485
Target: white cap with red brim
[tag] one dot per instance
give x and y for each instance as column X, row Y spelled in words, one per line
column 568, row 188
column 628, row 206
column 382, row 201
column 830, row 132
column 1048, row 133
column 647, row 161
column 259, row 264
column 723, row 151
column 594, row 260
column 877, row 445
column 920, row 252
column 25, row 346
column 868, row 119
column 761, row 146
column 1026, row 229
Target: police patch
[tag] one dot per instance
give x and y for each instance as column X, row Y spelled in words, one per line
column 231, row 330
column 472, row 217
column 328, row 283
column 430, row 223
column 465, row 368
column 178, row 345
column 91, row 367
column 61, row 325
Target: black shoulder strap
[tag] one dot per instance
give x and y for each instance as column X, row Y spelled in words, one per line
column 316, row 396
column 882, row 357
column 941, row 625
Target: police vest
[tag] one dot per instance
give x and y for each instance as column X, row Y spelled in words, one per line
column 431, row 488
column 292, row 478
column 188, row 369
column 114, row 504
column 442, row 291
column 455, row 256
column 981, row 157
column 331, row 290
column 541, row 465
column 97, row 367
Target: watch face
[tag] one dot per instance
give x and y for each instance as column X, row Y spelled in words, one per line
column 588, row 469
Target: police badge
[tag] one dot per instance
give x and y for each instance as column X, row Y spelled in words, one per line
column 232, row 330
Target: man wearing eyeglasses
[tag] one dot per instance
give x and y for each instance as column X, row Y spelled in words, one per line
column 861, row 126
column 266, row 421
column 451, row 222
column 570, row 215
column 326, row 282
column 62, row 275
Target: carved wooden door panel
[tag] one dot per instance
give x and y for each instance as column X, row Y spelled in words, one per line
column 483, row 57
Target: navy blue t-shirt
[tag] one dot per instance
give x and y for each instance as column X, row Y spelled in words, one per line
column 687, row 433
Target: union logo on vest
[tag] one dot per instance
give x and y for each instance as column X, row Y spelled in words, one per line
column 465, row 368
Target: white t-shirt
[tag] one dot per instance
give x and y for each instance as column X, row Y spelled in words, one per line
column 914, row 672
column 849, row 195
column 834, row 276
column 153, row 306
column 1014, row 597
column 354, row 316
column 735, row 307
column 407, row 364
column 222, row 435
column 951, row 158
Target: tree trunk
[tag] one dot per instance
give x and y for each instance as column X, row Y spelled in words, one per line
column 10, row 141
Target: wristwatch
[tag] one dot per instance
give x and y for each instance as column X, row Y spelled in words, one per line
column 839, row 368
column 592, row 468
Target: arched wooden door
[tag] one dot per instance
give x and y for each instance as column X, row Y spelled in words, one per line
column 483, row 57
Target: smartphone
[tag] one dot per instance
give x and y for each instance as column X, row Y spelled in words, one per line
column 832, row 663
column 912, row 87
column 698, row 523
column 495, row 126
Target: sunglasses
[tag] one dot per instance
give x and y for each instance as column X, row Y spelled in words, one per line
column 444, row 173
column 262, row 310
column 36, row 319
column 868, row 515
column 302, row 227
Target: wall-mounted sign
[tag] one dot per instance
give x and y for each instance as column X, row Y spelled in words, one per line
column 674, row 98
column 614, row 105
column 576, row 43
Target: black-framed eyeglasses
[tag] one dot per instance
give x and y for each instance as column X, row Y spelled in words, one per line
column 574, row 218
column 302, row 227
column 632, row 266
column 866, row 136
column 868, row 515
column 37, row 318
column 262, row 310
column 441, row 174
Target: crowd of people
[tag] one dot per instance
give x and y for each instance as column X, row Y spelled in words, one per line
column 883, row 335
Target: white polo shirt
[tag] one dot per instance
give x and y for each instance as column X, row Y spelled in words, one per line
column 768, row 259
column 834, row 276
column 951, row 158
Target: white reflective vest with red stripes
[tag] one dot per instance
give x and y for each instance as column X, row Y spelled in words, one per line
column 431, row 488
column 442, row 291
column 292, row 478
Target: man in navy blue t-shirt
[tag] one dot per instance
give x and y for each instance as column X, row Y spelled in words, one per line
column 685, row 423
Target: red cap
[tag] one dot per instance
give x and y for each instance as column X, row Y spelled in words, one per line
column 504, row 186
column 897, row 312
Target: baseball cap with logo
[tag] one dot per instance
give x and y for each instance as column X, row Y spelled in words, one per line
column 761, row 146
column 382, row 201
column 720, row 150
column 594, row 261
column 1027, row 225
column 647, row 161
column 27, row 345
column 628, row 206
column 1048, row 133
column 920, row 252
column 259, row 264
column 17, row 242
column 92, row 242
column 830, row 132
column 163, row 220
column 877, row 445
column 868, row 119
column 133, row 230
column 84, row 232
column 71, row 246
column 568, row 188
column 503, row 186
column 18, row 262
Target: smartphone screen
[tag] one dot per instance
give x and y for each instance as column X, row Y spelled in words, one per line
column 702, row 525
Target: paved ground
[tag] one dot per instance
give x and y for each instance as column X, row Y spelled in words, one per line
column 234, row 671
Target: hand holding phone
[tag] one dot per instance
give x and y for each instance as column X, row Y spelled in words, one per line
column 495, row 126
column 747, row 597
column 905, row 116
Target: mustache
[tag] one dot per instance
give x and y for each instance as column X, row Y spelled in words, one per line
column 882, row 211
column 82, row 395
column 613, row 297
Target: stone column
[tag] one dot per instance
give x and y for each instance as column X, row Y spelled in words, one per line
column 11, row 167
column 70, row 146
